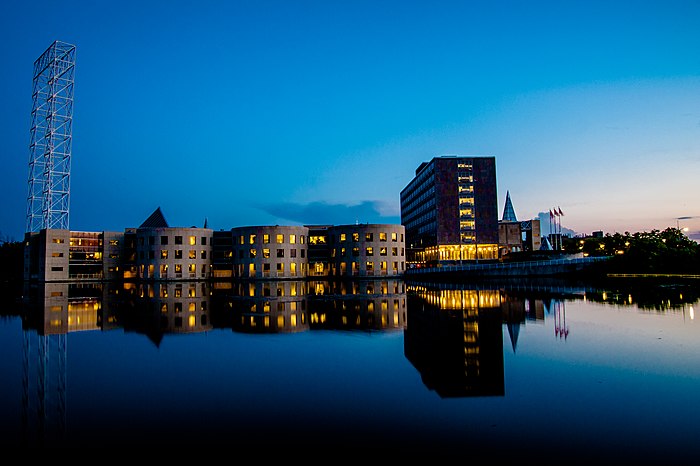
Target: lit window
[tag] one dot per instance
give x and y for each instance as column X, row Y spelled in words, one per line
column 192, row 268
column 382, row 236
column 280, row 239
column 393, row 236
column 301, row 239
column 382, row 251
column 163, row 253
column 266, row 238
column 252, row 239
column 292, row 239
column 369, row 251
column 369, row 237
column 253, row 252
column 193, row 254
column 178, row 268
column 356, row 237
column 193, row 240
column 266, row 253
column 178, row 254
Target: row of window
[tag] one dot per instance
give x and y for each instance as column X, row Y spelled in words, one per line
column 191, row 240
column 164, row 254
column 266, row 237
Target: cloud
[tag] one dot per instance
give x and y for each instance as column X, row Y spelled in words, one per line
column 321, row 213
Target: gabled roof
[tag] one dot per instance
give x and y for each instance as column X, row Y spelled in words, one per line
column 156, row 220
column 508, row 211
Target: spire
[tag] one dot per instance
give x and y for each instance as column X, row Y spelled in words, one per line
column 156, row 220
column 508, row 211
column 206, row 223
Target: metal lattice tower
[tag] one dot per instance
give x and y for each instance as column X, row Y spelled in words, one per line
column 51, row 138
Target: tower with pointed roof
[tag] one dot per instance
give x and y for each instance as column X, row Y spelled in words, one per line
column 508, row 211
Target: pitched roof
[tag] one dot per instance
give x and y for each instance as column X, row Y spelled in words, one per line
column 508, row 211
column 156, row 220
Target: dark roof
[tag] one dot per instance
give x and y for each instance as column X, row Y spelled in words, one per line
column 156, row 220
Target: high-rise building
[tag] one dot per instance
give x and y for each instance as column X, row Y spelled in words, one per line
column 450, row 211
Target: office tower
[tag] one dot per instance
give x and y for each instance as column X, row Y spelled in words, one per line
column 450, row 211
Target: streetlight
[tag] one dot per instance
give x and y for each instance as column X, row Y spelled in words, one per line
column 678, row 223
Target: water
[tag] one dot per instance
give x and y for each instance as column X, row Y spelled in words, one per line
column 551, row 371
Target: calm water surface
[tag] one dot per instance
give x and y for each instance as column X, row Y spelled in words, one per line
column 550, row 371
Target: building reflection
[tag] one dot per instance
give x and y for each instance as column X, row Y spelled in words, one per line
column 261, row 306
column 364, row 305
column 285, row 306
column 455, row 340
column 160, row 308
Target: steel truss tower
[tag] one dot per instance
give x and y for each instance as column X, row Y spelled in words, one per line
column 51, row 138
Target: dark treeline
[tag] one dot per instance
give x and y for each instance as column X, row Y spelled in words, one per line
column 11, row 261
column 668, row 251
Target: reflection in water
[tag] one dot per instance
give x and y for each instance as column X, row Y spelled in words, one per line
column 455, row 340
column 453, row 333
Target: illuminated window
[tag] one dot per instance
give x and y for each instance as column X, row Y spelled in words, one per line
column 163, row 270
column 241, row 239
column 192, row 268
column 266, row 253
column 178, row 254
column 251, row 270
column 369, row 251
column 356, row 251
column 342, row 237
column 393, row 236
column 292, row 239
column 193, row 254
column 280, row 268
column 342, row 251
column 382, row 236
column 301, row 239
column 369, row 236
column 280, row 239
column 370, row 267
column 252, row 239
column 317, row 239
column 113, row 242
column 163, row 253
column 56, row 254
column 356, row 236
column 382, row 251
column 293, row 269
column 193, row 240
column 253, row 252
column 178, row 268
column 266, row 238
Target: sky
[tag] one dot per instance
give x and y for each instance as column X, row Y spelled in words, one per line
column 244, row 113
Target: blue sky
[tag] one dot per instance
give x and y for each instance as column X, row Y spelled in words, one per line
column 298, row 112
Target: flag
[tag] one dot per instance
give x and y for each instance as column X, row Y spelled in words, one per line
column 560, row 212
column 551, row 214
